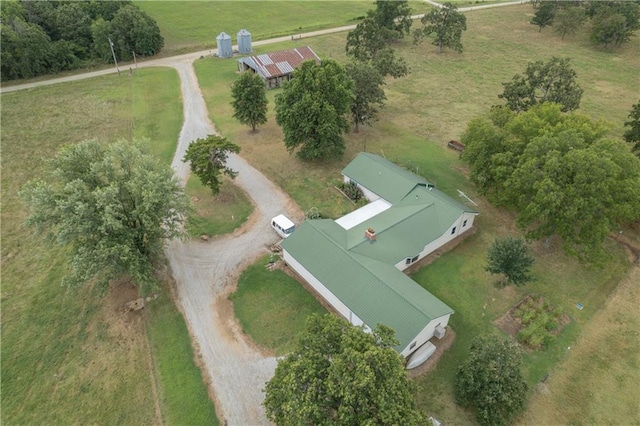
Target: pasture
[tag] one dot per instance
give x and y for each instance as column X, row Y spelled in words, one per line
column 72, row 356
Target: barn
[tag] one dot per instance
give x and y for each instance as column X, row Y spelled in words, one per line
column 277, row 67
column 355, row 263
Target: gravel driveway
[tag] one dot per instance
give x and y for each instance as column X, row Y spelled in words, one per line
column 206, row 271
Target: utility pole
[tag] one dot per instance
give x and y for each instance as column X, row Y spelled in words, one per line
column 114, row 55
column 134, row 58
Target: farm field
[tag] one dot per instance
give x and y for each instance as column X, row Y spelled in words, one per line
column 72, row 356
column 424, row 111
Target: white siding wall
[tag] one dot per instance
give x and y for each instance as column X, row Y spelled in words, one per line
column 425, row 334
column 449, row 235
column 320, row 288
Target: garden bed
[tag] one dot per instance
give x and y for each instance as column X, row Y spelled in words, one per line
column 533, row 322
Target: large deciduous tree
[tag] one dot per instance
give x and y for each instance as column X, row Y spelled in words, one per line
column 370, row 42
column 113, row 205
column 491, row 382
column 568, row 20
column 369, row 95
column 394, row 15
column 545, row 13
column 208, row 160
column 249, row 100
column 312, row 110
column 613, row 22
column 632, row 135
column 551, row 81
column 135, row 31
column 446, row 24
column 510, row 257
column 558, row 171
column 339, row 374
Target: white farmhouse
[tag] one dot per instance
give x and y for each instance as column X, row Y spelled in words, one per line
column 355, row 263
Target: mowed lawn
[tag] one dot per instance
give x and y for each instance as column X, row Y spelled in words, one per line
column 423, row 112
column 71, row 356
column 194, row 25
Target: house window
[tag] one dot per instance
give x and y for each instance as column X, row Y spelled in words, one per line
column 413, row 345
column 453, row 231
column 464, row 223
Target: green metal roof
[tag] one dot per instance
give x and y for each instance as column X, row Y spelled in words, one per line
column 360, row 272
column 382, row 177
column 375, row 291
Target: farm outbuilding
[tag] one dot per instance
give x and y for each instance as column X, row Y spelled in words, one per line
column 225, row 48
column 355, row 262
column 244, row 42
column 277, row 67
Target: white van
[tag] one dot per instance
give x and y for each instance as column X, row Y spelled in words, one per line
column 282, row 225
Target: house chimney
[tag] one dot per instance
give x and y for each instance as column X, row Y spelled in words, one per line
column 370, row 234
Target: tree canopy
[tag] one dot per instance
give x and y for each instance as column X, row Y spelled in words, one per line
column 613, row 22
column 558, row 171
column 312, row 110
column 40, row 37
column 446, row 24
column 112, row 205
column 491, row 381
column 551, row 81
column 568, row 20
column 632, row 134
column 339, row 374
column 544, row 15
column 510, row 257
column 249, row 100
column 369, row 95
column 370, row 42
column 208, row 160
column 394, row 15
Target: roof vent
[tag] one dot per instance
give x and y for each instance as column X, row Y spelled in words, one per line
column 370, row 234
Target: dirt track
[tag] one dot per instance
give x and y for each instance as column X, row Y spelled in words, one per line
column 206, row 271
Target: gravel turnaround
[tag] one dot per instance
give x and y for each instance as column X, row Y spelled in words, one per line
column 205, row 273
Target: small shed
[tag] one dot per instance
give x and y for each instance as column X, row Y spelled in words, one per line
column 275, row 68
column 224, row 45
column 244, row 42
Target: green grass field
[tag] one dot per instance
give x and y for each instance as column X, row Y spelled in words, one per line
column 194, row 25
column 73, row 356
column 423, row 112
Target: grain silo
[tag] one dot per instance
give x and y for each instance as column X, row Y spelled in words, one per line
column 224, row 45
column 244, row 41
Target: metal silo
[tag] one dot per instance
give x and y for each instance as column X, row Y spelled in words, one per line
column 244, row 41
column 224, row 45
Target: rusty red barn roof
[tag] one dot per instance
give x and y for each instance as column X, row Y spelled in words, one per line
column 276, row 64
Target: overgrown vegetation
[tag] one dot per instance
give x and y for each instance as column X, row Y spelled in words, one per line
column 351, row 190
column 540, row 321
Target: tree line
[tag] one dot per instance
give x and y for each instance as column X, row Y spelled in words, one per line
column 44, row 37
column 612, row 22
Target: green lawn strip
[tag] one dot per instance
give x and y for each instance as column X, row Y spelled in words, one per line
column 216, row 215
column 65, row 360
column 157, row 110
column 184, row 394
column 272, row 307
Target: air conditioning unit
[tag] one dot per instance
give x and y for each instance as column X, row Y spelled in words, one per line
column 439, row 332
